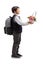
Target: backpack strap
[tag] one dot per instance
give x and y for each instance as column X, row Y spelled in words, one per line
column 12, row 20
column 13, row 17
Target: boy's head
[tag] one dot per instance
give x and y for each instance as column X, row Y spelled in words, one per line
column 16, row 9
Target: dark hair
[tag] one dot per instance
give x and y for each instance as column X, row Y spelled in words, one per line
column 14, row 8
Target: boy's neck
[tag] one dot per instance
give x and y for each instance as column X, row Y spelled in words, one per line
column 16, row 14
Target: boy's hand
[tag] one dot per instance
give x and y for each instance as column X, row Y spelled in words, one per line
column 31, row 19
column 31, row 22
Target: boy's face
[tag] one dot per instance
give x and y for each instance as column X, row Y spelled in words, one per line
column 18, row 11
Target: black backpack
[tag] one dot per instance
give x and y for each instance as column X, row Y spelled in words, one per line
column 8, row 26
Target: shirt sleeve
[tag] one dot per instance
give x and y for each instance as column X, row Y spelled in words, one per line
column 19, row 21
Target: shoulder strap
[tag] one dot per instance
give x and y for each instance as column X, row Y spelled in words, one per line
column 12, row 19
column 14, row 16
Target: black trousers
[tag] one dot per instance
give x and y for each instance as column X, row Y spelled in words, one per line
column 16, row 42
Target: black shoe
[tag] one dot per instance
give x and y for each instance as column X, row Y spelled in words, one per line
column 15, row 56
column 19, row 55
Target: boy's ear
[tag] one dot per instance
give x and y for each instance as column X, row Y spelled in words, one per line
column 14, row 11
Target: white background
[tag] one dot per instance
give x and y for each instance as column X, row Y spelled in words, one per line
column 31, row 46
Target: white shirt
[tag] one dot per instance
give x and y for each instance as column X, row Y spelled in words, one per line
column 19, row 21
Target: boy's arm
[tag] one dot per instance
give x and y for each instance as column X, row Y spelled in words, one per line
column 19, row 21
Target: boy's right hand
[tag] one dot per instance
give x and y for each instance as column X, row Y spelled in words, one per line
column 30, row 22
column 31, row 19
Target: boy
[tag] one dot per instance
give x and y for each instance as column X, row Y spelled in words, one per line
column 17, row 29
